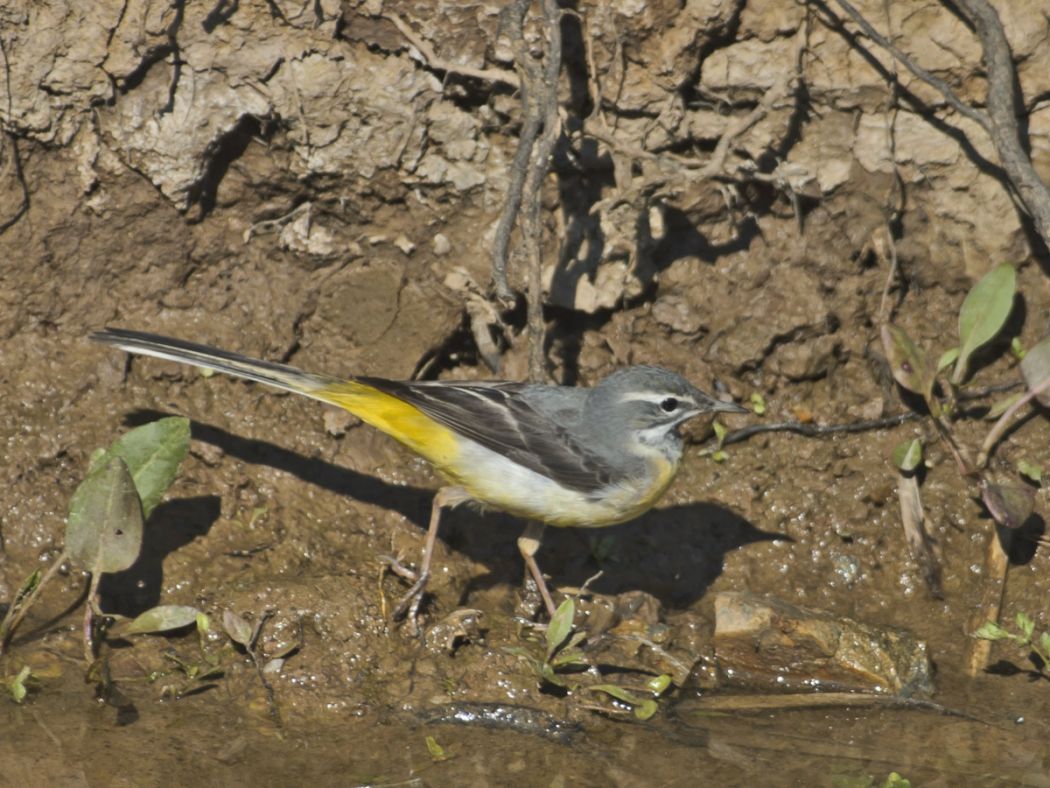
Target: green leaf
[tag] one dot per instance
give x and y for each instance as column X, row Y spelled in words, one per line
column 153, row 453
column 519, row 651
column 719, row 456
column 560, row 625
column 1044, row 645
column 29, row 585
column 546, row 673
column 758, row 404
column 1031, row 471
column 203, row 623
column 984, row 313
column 894, row 780
column 575, row 640
column 568, row 657
column 989, row 630
column 643, row 708
column 947, row 359
column 720, row 431
column 646, row 709
column 1017, row 348
column 907, row 455
column 658, row 684
column 162, row 618
column 1035, row 369
column 239, row 630
column 1009, row 504
column 437, row 752
column 1025, row 624
column 18, row 684
column 617, row 692
column 104, row 530
column 909, row 363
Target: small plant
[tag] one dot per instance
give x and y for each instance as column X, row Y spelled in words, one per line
column 197, row 673
column 641, row 706
column 717, row 452
column 983, row 315
column 560, row 653
column 560, row 663
column 124, row 484
column 1037, row 650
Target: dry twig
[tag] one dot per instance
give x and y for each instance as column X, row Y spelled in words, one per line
column 540, row 130
column 432, row 60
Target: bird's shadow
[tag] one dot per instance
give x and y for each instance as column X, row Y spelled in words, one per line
column 673, row 553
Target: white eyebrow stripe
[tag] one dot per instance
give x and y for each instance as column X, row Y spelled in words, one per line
column 655, row 398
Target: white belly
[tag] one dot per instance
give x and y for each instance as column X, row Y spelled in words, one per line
column 503, row 484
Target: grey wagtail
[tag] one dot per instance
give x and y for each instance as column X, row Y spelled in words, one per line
column 554, row 455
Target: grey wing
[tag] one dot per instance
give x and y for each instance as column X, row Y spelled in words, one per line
column 497, row 417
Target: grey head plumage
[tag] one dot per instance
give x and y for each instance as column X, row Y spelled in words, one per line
column 645, row 405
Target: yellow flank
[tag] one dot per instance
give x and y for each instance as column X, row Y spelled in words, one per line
column 634, row 501
column 401, row 421
column 665, row 471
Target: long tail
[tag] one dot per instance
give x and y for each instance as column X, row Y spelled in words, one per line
column 366, row 400
column 279, row 375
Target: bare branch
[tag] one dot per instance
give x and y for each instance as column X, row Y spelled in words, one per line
column 514, row 20
column 438, row 64
column 545, row 91
column 541, row 127
column 1002, row 103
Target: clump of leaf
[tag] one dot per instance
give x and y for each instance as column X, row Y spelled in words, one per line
column 559, row 662
column 187, row 675
column 983, row 314
column 123, row 486
column 642, row 706
column 1037, row 649
column 560, row 655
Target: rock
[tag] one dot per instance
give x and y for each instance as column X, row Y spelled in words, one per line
column 774, row 645
column 441, row 245
column 405, row 245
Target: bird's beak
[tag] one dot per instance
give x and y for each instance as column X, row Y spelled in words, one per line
column 719, row 406
column 708, row 404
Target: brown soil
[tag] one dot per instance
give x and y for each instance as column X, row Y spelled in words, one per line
column 142, row 181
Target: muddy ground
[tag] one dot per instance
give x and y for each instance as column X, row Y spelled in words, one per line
column 305, row 184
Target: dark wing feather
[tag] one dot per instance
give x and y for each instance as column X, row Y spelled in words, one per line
column 494, row 415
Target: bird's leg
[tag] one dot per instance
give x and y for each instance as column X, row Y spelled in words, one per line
column 528, row 544
column 446, row 496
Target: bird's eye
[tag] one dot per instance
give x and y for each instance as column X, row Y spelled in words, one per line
column 669, row 405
